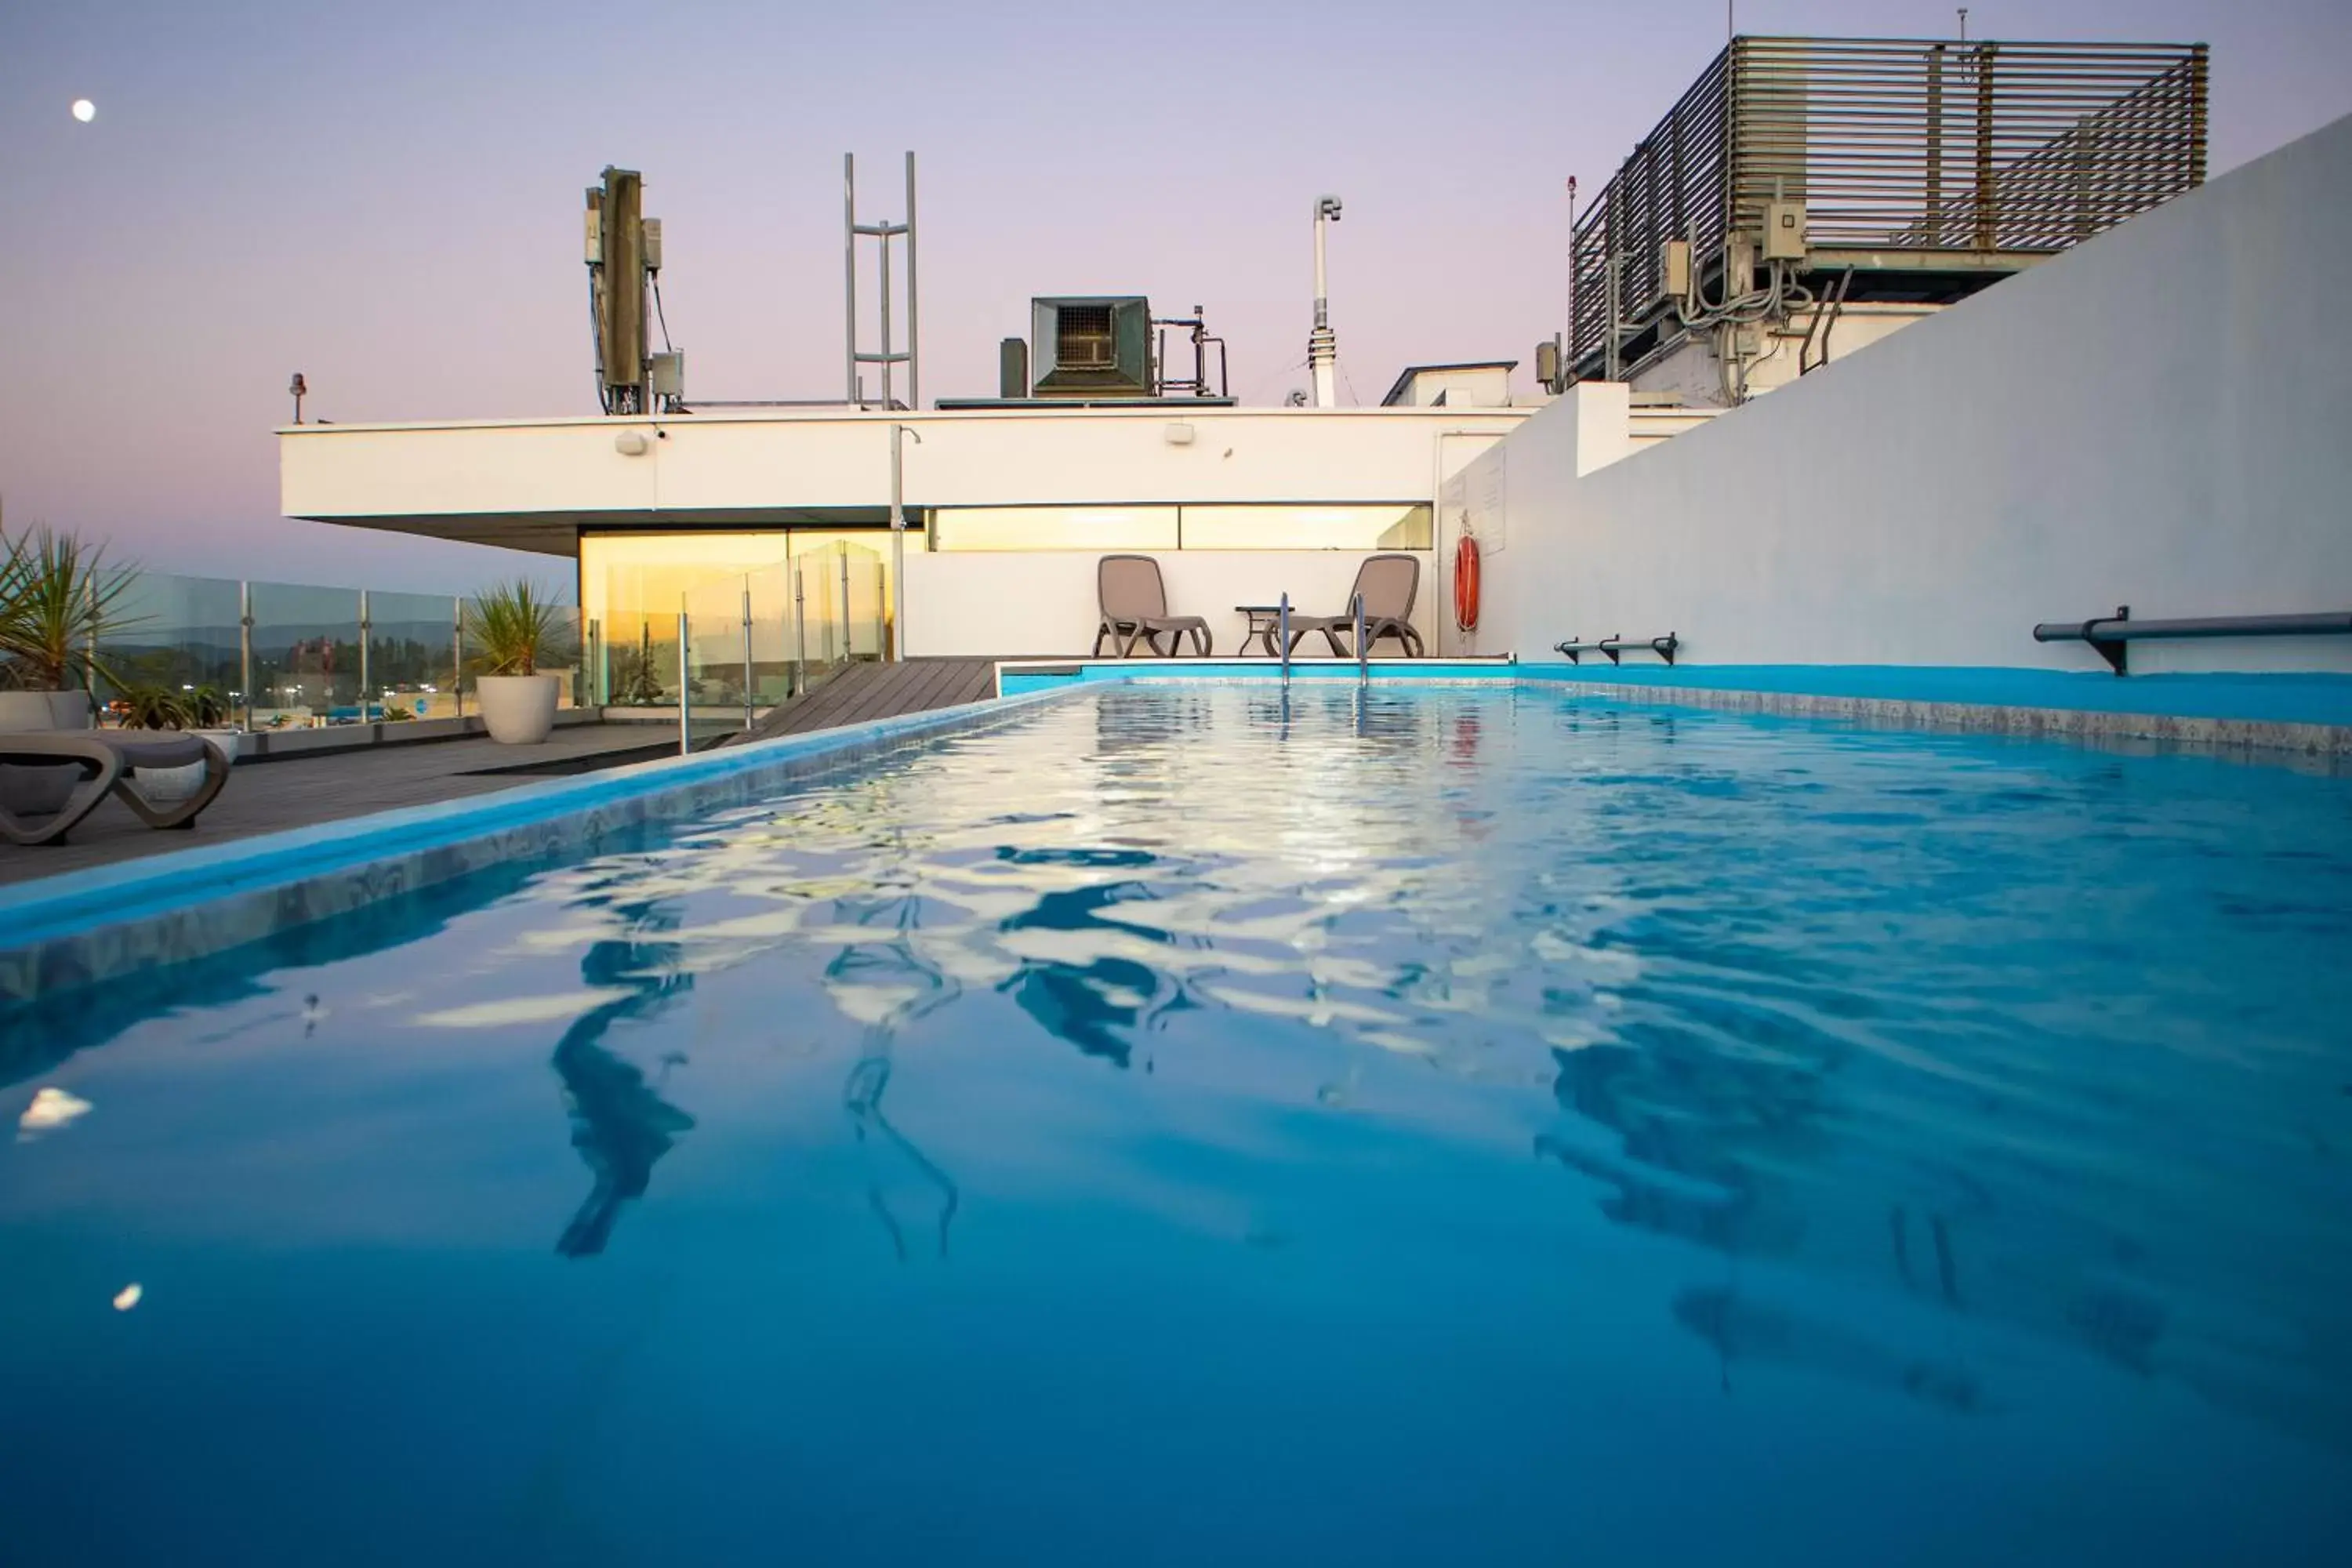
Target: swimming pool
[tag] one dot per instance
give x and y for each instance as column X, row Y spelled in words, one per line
column 1188, row 1124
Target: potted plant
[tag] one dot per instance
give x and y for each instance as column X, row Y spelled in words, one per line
column 515, row 627
column 58, row 599
column 210, row 715
column 161, row 707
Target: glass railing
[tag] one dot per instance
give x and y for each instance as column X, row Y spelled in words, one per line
column 752, row 640
column 274, row 656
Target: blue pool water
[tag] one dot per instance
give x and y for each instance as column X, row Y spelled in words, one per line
column 1479, row 1126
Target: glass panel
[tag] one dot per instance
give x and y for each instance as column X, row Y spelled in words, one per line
column 775, row 648
column 306, row 656
column 715, row 662
column 631, row 585
column 1053, row 528
column 181, row 633
column 1385, row 527
column 412, row 656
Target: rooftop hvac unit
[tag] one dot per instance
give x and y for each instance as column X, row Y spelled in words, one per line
column 1098, row 346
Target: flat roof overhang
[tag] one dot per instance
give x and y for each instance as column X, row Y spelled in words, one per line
column 537, row 485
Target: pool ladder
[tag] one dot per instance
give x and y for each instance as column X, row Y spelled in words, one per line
column 1363, row 654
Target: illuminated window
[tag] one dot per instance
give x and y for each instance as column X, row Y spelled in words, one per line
column 1053, row 528
column 1387, row 527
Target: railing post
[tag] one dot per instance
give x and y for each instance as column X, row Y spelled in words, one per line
column 797, row 683
column 848, row 626
column 1283, row 612
column 685, row 692
column 747, row 652
column 364, row 627
column 458, row 655
column 245, row 648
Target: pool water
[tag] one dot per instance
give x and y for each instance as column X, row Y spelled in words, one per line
column 1183, row 1126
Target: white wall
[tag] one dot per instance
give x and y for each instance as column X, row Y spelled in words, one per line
column 990, row 602
column 2161, row 417
column 721, row 464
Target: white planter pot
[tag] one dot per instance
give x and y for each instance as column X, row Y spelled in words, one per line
column 518, row 710
column 163, row 786
column 227, row 742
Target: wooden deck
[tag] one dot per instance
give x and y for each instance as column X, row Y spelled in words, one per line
column 864, row 692
column 303, row 792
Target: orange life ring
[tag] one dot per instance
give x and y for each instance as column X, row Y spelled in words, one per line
column 1466, row 583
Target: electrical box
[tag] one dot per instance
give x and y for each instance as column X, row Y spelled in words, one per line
column 1547, row 366
column 651, row 228
column 666, row 374
column 1784, row 231
column 1675, row 269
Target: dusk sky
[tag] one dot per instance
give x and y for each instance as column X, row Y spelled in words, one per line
column 387, row 198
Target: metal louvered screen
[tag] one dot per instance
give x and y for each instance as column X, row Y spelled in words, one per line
column 1919, row 145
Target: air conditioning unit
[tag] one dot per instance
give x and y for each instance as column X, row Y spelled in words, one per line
column 1091, row 346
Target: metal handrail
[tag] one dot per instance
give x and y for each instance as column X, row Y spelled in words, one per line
column 1363, row 665
column 1614, row 645
column 2110, row 633
column 1285, row 611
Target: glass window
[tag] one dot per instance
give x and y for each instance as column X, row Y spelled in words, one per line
column 1053, row 528
column 1384, row 527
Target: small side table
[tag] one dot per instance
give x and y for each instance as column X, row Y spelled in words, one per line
column 1264, row 624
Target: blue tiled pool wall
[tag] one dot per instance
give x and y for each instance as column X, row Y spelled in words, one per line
column 2279, row 710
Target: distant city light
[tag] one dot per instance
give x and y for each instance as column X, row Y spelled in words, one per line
column 85, row 110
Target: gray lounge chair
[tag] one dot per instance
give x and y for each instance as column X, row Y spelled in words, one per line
column 106, row 759
column 1389, row 585
column 1135, row 607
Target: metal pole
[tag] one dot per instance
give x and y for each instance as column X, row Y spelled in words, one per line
column 458, row 653
column 898, row 539
column 1363, row 666
column 886, row 316
column 848, row 627
column 245, row 648
column 685, row 692
column 800, row 635
column 849, row 265
column 363, row 655
column 914, row 337
column 747, row 652
column 1284, row 610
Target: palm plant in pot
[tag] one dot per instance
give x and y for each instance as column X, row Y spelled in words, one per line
column 58, row 600
column 514, row 628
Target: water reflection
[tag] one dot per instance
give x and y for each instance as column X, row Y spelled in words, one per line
column 620, row 1122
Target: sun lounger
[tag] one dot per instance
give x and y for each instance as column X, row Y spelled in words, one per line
column 1135, row 607
column 106, row 759
column 1388, row 585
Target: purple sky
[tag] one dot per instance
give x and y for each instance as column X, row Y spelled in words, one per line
column 387, row 198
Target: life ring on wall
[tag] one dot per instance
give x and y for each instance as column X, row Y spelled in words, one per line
column 1466, row 583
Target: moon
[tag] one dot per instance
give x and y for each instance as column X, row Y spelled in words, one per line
column 85, row 110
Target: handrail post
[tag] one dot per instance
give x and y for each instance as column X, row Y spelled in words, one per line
column 747, row 652
column 245, row 648
column 685, row 693
column 364, row 627
column 458, row 655
column 1284, row 610
column 1363, row 664
column 799, row 679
